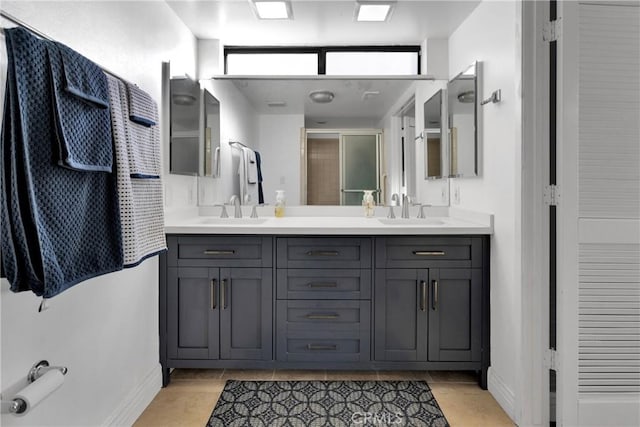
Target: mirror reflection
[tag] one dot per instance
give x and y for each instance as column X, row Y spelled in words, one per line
column 322, row 140
column 434, row 151
column 211, row 135
column 185, row 99
column 462, row 105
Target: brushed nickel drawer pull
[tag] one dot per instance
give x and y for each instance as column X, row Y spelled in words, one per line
column 219, row 252
column 434, row 304
column 213, row 294
column 429, row 253
column 323, row 253
column 223, row 294
column 322, row 285
column 319, row 316
column 315, row 347
column 423, row 295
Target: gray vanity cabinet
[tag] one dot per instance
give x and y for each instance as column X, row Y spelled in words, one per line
column 401, row 315
column 455, row 322
column 429, row 299
column 219, row 313
column 217, row 293
column 323, row 307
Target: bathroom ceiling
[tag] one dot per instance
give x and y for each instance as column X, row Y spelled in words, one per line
column 328, row 22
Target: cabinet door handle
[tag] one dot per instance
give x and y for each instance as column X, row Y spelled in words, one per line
column 223, row 294
column 316, row 347
column 219, row 252
column 213, row 293
column 323, row 253
column 318, row 316
column 429, row 253
column 434, row 302
column 423, row 295
column 322, row 285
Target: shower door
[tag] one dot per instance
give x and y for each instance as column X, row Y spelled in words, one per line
column 360, row 163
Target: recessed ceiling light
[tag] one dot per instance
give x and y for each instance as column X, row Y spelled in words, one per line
column 269, row 9
column 276, row 103
column 373, row 11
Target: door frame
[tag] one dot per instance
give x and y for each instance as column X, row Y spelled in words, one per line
column 533, row 402
column 304, row 152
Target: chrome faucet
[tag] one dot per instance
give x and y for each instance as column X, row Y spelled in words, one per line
column 237, row 212
column 395, row 200
column 223, row 212
column 405, row 206
column 421, row 214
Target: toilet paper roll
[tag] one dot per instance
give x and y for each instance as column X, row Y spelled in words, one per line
column 38, row 390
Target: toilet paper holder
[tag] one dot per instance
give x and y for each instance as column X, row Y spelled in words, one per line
column 17, row 406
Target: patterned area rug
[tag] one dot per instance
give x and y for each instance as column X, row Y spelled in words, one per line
column 327, row 403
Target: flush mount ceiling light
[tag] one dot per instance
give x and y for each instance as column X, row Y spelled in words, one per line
column 321, row 96
column 270, row 9
column 373, row 11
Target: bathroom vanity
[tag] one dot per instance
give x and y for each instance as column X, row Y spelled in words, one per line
column 325, row 293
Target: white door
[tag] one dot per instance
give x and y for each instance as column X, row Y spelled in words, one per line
column 599, row 214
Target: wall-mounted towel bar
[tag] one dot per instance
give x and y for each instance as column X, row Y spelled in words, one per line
column 495, row 97
column 238, row 143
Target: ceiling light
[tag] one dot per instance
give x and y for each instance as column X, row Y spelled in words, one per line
column 268, row 9
column 276, row 103
column 373, row 11
column 321, row 96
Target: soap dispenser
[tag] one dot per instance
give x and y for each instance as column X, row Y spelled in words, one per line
column 280, row 203
column 368, row 203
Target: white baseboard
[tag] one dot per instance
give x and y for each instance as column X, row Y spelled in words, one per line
column 136, row 402
column 503, row 394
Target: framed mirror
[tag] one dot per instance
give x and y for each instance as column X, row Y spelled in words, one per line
column 462, row 105
column 185, row 100
column 211, row 135
column 433, row 138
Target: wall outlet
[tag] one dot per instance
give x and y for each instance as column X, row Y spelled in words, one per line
column 456, row 194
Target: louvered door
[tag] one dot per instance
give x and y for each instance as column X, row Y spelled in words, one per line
column 599, row 214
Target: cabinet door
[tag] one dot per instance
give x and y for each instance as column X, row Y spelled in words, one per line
column 246, row 313
column 192, row 313
column 455, row 318
column 401, row 314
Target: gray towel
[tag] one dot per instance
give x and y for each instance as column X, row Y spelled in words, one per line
column 141, row 206
column 143, row 153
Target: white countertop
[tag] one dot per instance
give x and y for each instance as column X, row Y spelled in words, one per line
column 454, row 222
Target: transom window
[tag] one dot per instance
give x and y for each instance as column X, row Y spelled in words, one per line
column 331, row 60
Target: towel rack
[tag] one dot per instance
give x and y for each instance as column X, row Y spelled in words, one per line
column 239, row 143
column 42, row 35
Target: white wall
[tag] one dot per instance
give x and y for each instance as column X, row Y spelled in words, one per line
column 491, row 34
column 104, row 330
column 280, row 153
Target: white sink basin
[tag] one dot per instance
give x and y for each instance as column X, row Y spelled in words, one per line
column 230, row 221
column 411, row 221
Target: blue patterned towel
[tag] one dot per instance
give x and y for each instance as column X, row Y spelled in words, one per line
column 144, row 146
column 82, row 123
column 141, row 204
column 141, row 108
column 59, row 226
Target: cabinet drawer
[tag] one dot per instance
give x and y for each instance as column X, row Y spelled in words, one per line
column 324, row 252
column 323, row 316
column 333, row 347
column 215, row 251
column 324, row 284
column 420, row 252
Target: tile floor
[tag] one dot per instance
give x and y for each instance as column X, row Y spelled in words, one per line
column 190, row 397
